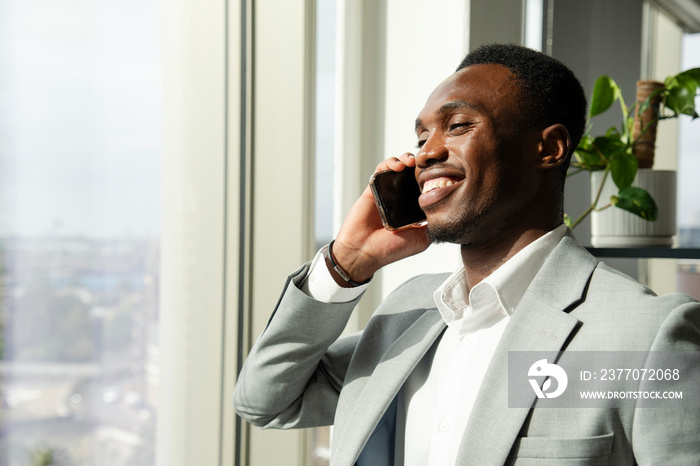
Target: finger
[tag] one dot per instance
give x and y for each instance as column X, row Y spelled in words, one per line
column 408, row 159
column 392, row 163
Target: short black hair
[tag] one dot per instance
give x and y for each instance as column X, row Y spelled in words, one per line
column 551, row 93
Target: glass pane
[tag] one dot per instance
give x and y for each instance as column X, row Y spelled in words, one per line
column 324, row 164
column 688, row 187
column 325, row 120
column 689, row 152
column 80, row 154
column 534, row 17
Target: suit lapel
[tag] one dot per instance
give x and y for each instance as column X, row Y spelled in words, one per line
column 378, row 390
column 539, row 323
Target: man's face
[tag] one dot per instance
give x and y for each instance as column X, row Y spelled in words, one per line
column 476, row 164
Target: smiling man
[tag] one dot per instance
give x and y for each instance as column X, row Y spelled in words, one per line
column 426, row 381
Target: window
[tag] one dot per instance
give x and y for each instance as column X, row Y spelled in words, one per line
column 324, row 164
column 80, row 86
column 325, row 120
column 689, row 158
column 688, row 191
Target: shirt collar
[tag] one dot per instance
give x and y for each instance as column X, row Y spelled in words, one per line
column 505, row 286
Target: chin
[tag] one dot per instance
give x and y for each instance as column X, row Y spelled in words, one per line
column 457, row 232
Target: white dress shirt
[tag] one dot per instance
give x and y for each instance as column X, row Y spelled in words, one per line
column 438, row 396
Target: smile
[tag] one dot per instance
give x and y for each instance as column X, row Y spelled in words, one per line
column 436, row 189
column 437, row 183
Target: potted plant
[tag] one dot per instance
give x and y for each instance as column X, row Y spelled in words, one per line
column 615, row 158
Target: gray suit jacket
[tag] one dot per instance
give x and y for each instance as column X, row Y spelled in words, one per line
column 301, row 374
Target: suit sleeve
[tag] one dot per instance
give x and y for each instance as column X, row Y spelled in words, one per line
column 671, row 435
column 294, row 372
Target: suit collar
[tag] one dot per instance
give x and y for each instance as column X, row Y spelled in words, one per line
column 564, row 277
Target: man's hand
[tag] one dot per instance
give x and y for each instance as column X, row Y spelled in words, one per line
column 363, row 246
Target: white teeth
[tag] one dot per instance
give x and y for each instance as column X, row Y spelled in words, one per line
column 436, row 183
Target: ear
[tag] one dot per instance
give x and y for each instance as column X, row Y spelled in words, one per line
column 555, row 145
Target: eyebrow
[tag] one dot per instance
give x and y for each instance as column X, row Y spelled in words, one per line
column 447, row 107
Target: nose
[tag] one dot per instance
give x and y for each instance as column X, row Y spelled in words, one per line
column 434, row 150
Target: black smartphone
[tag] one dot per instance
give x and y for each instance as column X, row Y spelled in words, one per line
column 396, row 195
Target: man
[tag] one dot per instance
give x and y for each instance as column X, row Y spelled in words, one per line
column 426, row 381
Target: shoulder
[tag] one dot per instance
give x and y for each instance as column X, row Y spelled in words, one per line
column 620, row 287
column 618, row 312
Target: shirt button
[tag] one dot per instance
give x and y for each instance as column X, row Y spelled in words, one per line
column 444, row 427
column 468, row 340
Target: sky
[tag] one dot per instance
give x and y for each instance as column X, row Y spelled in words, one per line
column 80, row 118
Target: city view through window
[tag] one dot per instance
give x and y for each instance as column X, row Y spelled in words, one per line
column 80, row 136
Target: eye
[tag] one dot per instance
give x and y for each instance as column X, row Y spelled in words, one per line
column 422, row 138
column 456, row 127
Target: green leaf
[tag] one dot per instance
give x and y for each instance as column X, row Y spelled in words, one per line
column 681, row 91
column 637, row 201
column 568, row 221
column 623, row 167
column 647, row 102
column 586, row 142
column 613, row 132
column 604, row 95
column 681, row 99
column 691, row 75
column 586, row 156
column 609, row 145
column 588, row 160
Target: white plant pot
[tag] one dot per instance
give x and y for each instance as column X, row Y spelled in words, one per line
column 617, row 228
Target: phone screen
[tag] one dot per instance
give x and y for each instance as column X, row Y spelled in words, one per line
column 396, row 195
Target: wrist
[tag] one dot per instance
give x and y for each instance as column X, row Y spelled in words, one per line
column 342, row 276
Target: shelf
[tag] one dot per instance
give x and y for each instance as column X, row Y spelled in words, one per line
column 647, row 253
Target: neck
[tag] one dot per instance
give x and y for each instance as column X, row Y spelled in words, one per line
column 480, row 260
